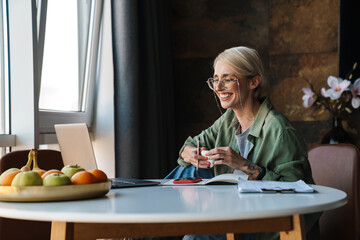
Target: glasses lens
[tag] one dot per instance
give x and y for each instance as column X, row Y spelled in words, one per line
column 228, row 83
column 225, row 83
column 210, row 83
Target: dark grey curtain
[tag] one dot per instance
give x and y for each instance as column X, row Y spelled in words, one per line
column 143, row 83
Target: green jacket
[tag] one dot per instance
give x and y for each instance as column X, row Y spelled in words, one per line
column 277, row 146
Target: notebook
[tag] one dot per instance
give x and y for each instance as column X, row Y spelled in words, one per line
column 76, row 148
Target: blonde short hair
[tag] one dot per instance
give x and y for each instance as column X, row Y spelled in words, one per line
column 246, row 62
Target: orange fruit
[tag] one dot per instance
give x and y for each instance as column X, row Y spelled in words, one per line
column 83, row 177
column 40, row 171
column 48, row 172
column 7, row 180
column 100, row 175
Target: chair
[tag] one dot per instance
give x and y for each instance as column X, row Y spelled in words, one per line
column 337, row 166
column 22, row 229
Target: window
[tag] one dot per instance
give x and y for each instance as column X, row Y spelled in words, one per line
column 68, row 65
column 53, row 86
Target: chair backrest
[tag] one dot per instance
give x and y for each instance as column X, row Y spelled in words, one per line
column 337, row 166
column 47, row 159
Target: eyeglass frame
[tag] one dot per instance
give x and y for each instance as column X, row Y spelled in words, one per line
column 222, row 81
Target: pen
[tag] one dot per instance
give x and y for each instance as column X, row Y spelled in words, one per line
column 198, row 153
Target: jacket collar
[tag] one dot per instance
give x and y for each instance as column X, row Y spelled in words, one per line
column 264, row 110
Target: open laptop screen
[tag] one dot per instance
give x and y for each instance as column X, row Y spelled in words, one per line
column 75, row 145
column 76, row 148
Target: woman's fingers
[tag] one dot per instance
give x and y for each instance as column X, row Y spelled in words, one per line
column 220, row 150
column 203, row 148
column 219, row 153
column 227, row 156
column 198, row 159
column 203, row 164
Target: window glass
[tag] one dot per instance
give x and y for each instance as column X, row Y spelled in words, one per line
column 60, row 67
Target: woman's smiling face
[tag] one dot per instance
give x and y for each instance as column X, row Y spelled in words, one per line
column 230, row 98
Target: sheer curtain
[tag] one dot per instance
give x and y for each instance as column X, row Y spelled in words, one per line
column 143, row 85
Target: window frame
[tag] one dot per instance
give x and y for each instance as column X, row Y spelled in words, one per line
column 6, row 139
column 30, row 126
column 47, row 118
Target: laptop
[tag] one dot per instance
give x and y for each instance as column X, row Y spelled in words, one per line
column 76, row 148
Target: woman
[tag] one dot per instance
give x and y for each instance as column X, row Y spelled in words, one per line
column 251, row 136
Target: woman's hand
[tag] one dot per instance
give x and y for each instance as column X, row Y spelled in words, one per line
column 229, row 157
column 189, row 154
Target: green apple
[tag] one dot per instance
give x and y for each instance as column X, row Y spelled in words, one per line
column 6, row 172
column 56, row 179
column 28, row 178
column 70, row 170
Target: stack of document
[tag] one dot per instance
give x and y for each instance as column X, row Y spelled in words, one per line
column 246, row 186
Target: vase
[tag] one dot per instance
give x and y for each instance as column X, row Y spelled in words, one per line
column 337, row 134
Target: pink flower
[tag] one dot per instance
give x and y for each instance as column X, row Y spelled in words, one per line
column 308, row 98
column 355, row 90
column 337, row 87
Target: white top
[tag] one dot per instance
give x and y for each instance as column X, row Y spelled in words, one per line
column 177, row 204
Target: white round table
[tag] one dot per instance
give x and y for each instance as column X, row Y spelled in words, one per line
column 192, row 208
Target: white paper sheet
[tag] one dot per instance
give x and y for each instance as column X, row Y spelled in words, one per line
column 245, row 186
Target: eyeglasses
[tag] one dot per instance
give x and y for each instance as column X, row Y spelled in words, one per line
column 226, row 83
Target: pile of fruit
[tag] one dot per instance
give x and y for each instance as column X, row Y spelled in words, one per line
column 70, row 174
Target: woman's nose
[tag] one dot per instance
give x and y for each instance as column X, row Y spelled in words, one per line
column 220, row 86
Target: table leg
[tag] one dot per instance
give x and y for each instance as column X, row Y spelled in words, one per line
column 62, row 231
column 298, row 229
column 233, row 236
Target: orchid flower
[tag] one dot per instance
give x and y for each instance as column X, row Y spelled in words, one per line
column 323, row 93
column 337, row 87
column 308, row 98
column 355, row 90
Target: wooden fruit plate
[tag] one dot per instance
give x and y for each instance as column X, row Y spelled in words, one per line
column 53, row 193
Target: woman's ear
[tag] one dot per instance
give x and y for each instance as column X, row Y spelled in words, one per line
column 255, row 82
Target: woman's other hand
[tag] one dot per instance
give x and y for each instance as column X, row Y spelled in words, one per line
column 229, row 157
column 190, row 155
